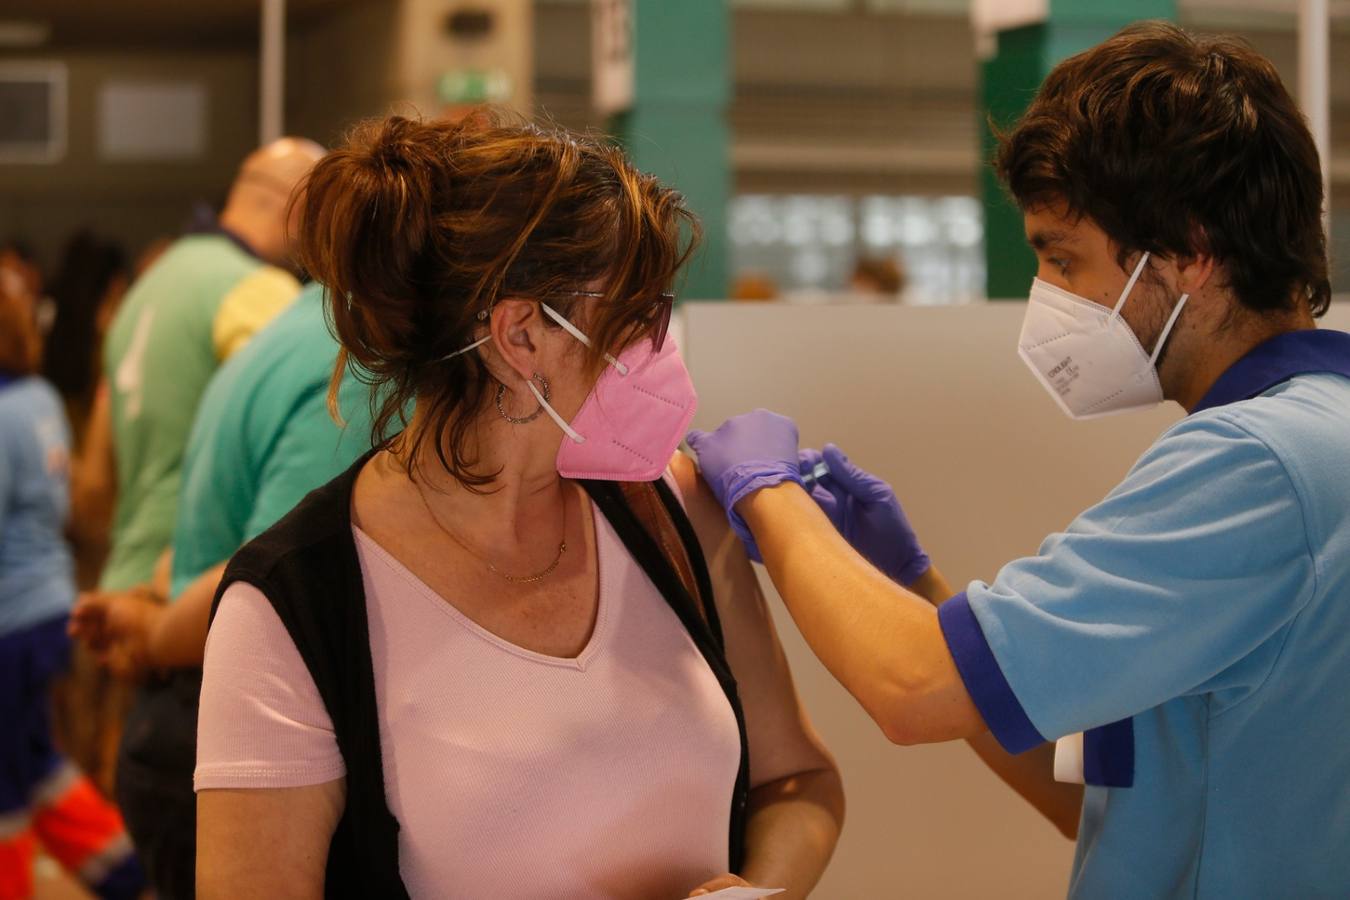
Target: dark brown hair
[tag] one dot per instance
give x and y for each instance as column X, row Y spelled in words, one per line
column 417, row 227
column 20, row 344
column 1178, row 144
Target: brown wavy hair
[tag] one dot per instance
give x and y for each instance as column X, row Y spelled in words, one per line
column 416, row 227
column 1179, row 144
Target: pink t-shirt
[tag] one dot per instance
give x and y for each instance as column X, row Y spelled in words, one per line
column 513, row 774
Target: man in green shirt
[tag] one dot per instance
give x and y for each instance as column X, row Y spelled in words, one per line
column 263, row 438
column 198, row 304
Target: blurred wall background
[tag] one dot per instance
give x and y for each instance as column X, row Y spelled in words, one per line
column 854, row 129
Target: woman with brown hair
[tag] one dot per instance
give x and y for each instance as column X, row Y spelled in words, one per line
column 495, row 659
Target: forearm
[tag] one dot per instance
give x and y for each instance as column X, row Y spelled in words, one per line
column 794, row 825
column 932, row 586
column 1030, row 774
column 93, row 482
column 179, row 637
column 881, row 641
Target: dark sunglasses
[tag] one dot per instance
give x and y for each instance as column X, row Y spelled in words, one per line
column 657, row 316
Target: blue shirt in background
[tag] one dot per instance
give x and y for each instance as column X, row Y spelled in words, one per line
column 37, row 580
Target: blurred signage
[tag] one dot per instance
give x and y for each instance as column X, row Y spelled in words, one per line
column 152, row 120
column 470, row 87
column 612, row 67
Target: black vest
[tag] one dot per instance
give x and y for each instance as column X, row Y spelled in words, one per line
column 307, row 567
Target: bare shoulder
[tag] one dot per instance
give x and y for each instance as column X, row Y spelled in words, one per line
column 782, row 741
column 735, row 587
column 706, row 514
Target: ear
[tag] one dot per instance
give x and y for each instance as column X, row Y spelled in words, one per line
column 1194, row 272
column 516, row 328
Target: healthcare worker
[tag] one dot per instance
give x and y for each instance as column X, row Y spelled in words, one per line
column 1195, row 624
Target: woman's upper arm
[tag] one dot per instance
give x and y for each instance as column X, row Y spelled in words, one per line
column 266, row 843
column 270, row 778
column 262, row 722
column 782, row 739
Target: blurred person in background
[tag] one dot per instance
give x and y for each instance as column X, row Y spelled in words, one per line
column 264, row 437
column 880, row 277
column 94, row 470
column 43, row 797
column 89, row 285
column 17, row 259
column 467, row 666
column 197, row 305
column 754, row 287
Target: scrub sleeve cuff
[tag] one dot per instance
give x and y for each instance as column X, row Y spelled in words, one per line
column 983, row 677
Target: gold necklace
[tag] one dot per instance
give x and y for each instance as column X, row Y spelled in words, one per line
column 514, row 579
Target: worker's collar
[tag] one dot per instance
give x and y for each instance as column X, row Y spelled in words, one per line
column 205, row 221
column 236, row 240
column 1278, row 360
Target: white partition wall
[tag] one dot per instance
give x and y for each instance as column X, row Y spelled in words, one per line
column 937, row 402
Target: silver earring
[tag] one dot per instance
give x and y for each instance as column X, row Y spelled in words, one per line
column 501, row 410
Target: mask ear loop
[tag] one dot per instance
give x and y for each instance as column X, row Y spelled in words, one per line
column 482, row 317
column 1167, row 329
column 1129, row 285
column 474, row 346
column 575, row 332
column 553, row 414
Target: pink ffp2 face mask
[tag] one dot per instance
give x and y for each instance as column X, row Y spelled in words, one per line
column 634, row 418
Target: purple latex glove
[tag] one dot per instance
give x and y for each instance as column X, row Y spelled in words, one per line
column 868, row 515
column 747, row 453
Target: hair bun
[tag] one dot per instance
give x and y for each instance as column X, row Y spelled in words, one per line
column 389, row 146
column 367, row 221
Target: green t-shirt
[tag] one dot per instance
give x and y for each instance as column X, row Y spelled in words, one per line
column 198, row 304
column 264, row 438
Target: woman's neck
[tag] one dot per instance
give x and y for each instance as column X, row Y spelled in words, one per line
column 522, row 505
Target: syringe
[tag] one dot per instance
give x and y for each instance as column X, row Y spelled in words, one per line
column 817, row 472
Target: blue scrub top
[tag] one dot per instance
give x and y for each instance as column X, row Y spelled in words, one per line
column 1196, row 623
column 37, row 579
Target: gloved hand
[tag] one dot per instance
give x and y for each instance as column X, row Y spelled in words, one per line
column 868, row 515
column 747, row 453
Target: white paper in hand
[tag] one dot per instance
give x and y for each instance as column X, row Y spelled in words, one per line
column 744, row 893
